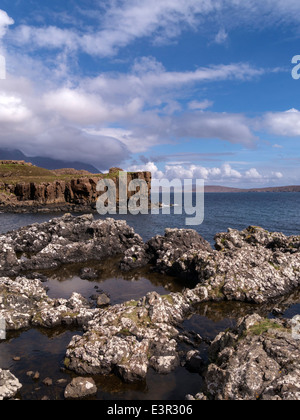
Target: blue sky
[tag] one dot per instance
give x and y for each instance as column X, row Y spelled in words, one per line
column 194, row 88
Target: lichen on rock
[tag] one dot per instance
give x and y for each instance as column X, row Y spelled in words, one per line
column 130, row 338
column 25, row 303
column 9, row 385
column 259, row 359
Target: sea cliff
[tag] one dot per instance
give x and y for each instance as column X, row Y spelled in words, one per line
column 27, row 188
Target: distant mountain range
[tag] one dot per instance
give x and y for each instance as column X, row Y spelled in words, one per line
column 44, row 162
column 219, row 189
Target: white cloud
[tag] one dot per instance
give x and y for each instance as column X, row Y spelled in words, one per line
column 81, row 107
column 150, row 167
column 253, row 174
column 5, row 22
column 149, row 77
column 124, row 21
column 146, row 113
column 12, row 110
column 223, row 175
column 283, row 123
column 277, row 175
column 130, row 138
column 233, row 128
column 196, row 105
column 221, row 37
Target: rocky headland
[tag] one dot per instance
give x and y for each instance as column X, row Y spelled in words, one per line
column 257, row 360
column 26, row 188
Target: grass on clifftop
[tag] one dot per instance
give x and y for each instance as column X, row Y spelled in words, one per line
column 14, row 174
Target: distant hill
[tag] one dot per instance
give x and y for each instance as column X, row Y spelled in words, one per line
column 46, row 163
column 220, row 189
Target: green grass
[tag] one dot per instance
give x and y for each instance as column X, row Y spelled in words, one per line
column 264, row 327
column 17, row 174
column 277, row 268
column 168, row 298
column 132, row 303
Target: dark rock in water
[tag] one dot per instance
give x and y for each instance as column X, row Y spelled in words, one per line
column 165, row 356
column 27, row 304
column 36, row 376
column 253, row 266
column 48, row 382
column 64, row 240
column 80, row 388
column 88, row 274
column 9, row 385
column 277, row 311
column 61, row 381
column 103, row 300
column 198, row 397
column 30, row 374
column 175, row 243
column 37, row 276
column 250, row 266
column 130, row 338
column 135, row 257
column 194, row 361
column 257, row 360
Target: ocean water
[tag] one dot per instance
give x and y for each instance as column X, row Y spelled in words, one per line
column 272, row 211
column 44, row 350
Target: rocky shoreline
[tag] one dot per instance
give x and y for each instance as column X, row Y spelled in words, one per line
column 258, row 360
column 252, row 266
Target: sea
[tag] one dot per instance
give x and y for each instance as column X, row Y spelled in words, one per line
column 44, row 350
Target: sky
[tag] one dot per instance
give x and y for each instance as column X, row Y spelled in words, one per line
column 186, row 89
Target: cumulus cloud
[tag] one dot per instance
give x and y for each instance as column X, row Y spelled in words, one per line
column 85, row 108
column 150, row 167
column 29, row 123
column 225, row 174
column 129, row 109
column 12, row 110
column 104, row 119
column 283, row 123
